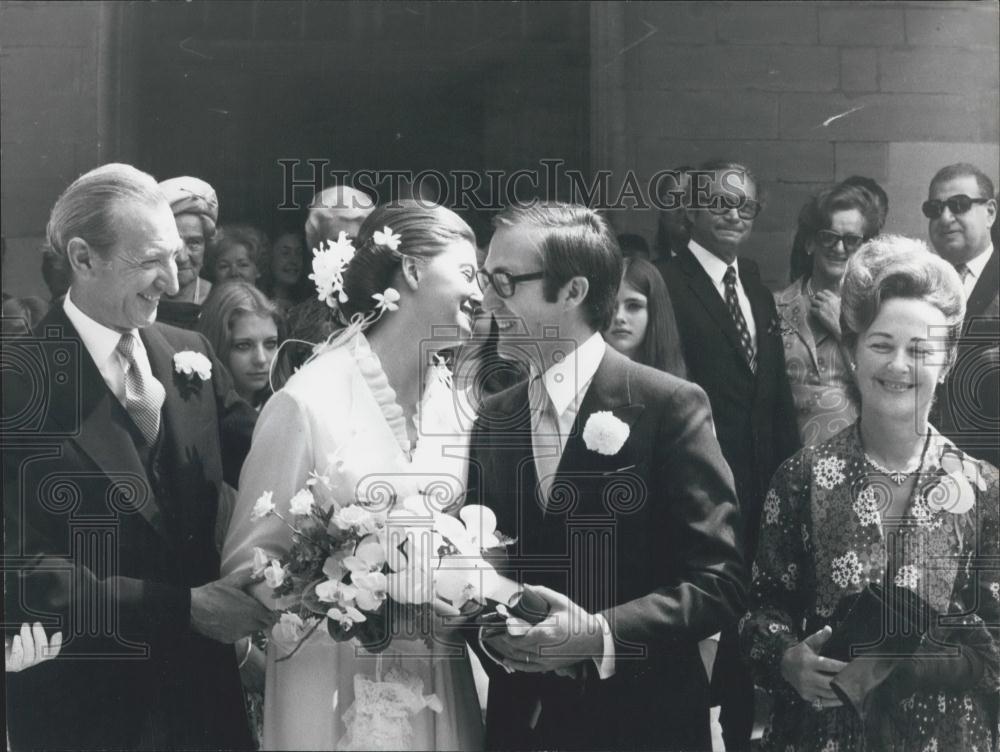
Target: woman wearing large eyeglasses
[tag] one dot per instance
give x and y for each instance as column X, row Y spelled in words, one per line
column 835, row 223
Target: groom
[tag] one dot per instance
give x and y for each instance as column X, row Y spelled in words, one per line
column 609, row 476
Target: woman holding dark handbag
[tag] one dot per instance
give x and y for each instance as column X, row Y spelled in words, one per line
column 890, row 514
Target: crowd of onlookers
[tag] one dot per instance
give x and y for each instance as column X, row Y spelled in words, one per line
column 784, row 370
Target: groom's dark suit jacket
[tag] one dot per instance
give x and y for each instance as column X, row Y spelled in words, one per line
column 104, row 538
column 647, row 537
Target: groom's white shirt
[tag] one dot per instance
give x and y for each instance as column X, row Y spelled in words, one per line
column 566, row 383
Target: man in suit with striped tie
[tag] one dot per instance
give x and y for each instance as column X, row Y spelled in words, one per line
column 114, row 431
column 733, row 350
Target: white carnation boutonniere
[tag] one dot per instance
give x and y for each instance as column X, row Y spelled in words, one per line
column 953, row 491
column 190, row 363
column 604, row 433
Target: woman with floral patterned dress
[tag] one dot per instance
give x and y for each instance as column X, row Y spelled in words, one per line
column 887, row 501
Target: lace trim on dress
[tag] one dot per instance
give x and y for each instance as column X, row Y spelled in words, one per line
column 371, row 369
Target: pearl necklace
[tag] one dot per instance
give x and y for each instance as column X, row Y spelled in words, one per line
column 899, row 477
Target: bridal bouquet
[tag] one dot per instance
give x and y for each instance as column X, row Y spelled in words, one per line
column 351, row 566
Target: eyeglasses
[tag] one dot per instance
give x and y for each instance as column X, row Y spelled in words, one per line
column 829, row 239
column 959, row 204
column 747, row 208
column 504, row 282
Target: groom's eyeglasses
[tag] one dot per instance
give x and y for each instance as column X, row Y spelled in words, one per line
column 504, row 282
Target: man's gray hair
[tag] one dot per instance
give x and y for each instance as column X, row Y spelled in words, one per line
column 88, row 209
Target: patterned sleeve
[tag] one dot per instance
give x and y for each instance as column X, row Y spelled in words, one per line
column 777, row 598
column 978, row 586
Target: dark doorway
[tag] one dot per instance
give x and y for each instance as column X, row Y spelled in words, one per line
column 230, row 88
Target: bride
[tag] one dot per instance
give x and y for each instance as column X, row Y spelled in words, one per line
column 359, row 411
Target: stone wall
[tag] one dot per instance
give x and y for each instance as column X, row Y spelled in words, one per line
column 806, row 93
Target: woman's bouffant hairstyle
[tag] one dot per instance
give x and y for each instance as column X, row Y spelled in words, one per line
column 425, row 230
column 90, row 207
column 817, row 214
column 575, row 241
column 661, row 347
column 254, row 240
column 893, row 266
column 224, row 304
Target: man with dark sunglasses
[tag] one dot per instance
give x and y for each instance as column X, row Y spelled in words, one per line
column 961, row 209
column 732, row 347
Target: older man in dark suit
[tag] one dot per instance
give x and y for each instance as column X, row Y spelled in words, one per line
column 729, row 332
column 609, row 476
column 113, row 459
column 961, row 211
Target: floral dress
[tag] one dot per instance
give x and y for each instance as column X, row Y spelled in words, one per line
column 822, row 539
column 821, row 384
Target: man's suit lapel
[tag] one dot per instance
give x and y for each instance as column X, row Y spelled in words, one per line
column 985, row 291
column 704, row 290
column 103, row 434
column 183, row 418
column 760, row 305
column 608, row 391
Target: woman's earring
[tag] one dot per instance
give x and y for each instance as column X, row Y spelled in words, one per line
column 854, row 366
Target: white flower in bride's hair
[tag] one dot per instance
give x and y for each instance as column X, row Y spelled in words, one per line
column 329, row 262
column 263, row 506
column 387, row 300
column 387, row 238
column 604, row 433
column 191, row 363
column 302, row 502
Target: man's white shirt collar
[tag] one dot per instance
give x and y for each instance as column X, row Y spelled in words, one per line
column 566, row 380
column 976, row 265
column 712, row 264
column 102, row 344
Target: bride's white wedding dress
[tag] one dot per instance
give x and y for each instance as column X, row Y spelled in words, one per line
column 340, row 409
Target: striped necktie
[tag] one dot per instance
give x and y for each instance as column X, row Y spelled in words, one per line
column 144, row 395
column 733, row 301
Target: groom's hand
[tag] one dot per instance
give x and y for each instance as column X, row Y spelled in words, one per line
column 567, row 636
column 222, row 611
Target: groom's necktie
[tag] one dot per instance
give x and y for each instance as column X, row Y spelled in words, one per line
column 545, row 440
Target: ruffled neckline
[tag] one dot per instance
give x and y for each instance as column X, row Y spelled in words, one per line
column 371, row 370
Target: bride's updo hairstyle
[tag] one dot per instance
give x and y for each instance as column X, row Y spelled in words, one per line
column 425, row 230
column 893, row 266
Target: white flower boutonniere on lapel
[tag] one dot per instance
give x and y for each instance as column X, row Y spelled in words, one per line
column 604, row 433
column 190, row 363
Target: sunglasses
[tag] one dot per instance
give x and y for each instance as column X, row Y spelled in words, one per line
column 959, row 204
column 829, row 239
column 504, row 282
column 747, row 209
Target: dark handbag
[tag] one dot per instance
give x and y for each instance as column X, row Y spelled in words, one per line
column 881, row 621
column 873, row 630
